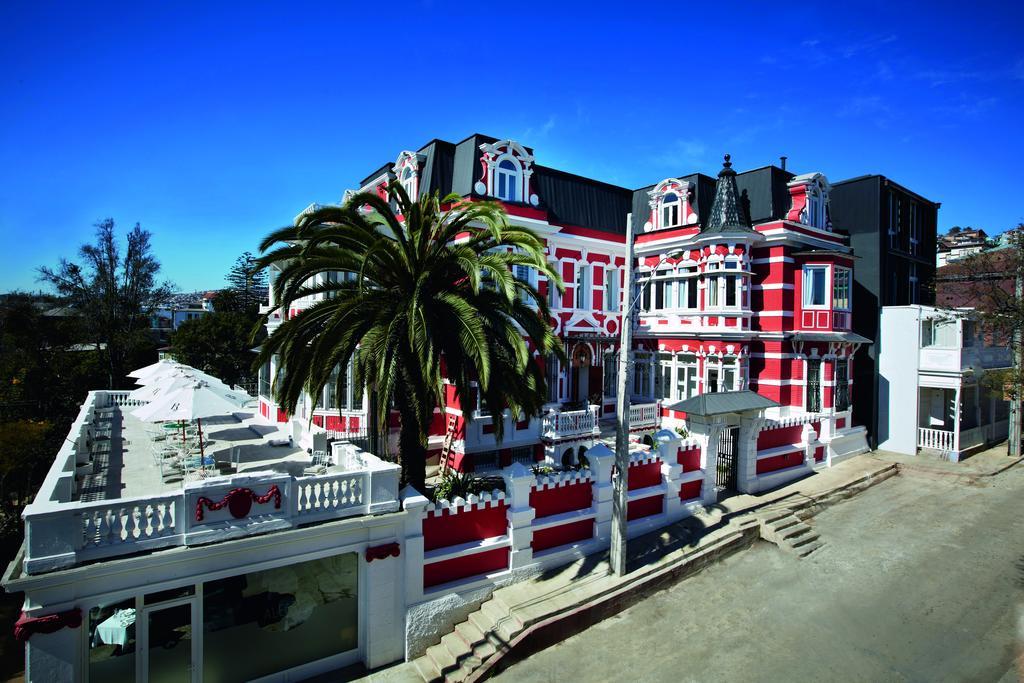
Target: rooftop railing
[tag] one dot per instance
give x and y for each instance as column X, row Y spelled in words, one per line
column 61, row 531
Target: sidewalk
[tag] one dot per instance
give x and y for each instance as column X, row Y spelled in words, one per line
column 986, row 463
column 533, row 614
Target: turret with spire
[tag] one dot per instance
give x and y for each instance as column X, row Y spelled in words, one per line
column 727, row 216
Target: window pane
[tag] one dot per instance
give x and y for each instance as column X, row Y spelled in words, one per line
column 712, row 291
column 813, row 398
column 112, row 642
column 730, row 290
column 261, row 623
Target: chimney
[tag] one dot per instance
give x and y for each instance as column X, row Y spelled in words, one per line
column 782, row 160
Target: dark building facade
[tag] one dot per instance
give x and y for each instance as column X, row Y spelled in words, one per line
column 893, row 234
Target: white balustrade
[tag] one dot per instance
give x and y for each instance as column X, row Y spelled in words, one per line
column 562, row 424
column 112, row 523
column 326, row 495
column 938, row 439
column 643, row 415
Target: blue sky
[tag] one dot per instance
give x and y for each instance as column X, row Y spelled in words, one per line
column 213, row 123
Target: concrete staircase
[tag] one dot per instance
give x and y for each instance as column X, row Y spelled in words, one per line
column 789, row 532
column 577, row 595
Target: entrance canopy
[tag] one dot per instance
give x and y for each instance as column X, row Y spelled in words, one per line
column 721, row 403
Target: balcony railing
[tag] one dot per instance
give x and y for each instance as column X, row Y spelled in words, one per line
column 937, row 439
column 61, row 531
column 645, row 415
column 570, row 423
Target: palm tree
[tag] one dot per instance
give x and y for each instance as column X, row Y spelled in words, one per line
column 432, row 302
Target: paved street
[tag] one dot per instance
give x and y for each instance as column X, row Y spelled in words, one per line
column 921, row 579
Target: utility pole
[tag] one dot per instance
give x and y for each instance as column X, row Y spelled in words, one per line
column 620, row 479
column 1013, row 448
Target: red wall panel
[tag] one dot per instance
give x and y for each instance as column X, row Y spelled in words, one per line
column 645, row 507
column 780, row 462
column 555, row 501
column 442, row 530
column 642, row 476
column 689, row 459
column 555, row 536
column 461, row 567
column 690, row 490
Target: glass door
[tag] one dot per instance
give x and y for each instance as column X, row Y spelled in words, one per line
column 167, row 644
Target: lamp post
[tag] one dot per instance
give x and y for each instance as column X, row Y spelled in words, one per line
column 620, row 478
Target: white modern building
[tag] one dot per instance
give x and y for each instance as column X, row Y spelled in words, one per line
column 931, row 389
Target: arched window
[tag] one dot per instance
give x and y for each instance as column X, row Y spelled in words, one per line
column 506, row 180
column 670, row 210
column 409, row 183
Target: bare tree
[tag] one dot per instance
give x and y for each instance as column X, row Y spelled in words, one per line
column 115, row 294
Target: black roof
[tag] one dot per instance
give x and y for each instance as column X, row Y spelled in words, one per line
column 878, row 177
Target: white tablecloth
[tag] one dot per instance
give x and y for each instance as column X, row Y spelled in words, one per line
column 114, row 631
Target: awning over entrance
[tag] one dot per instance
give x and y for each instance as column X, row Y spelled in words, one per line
column 720, row 403
column 848, row 337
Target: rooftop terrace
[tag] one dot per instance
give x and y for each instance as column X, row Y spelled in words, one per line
column 108, row 494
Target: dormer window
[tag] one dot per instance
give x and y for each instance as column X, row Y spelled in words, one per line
column 506, row 171
column 809, row 196
column 670, row 211
column 407, row 171
column 507, row 177
column 670, row 205
column 409, row 183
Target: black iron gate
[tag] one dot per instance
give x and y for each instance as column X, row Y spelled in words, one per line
column 726, row 475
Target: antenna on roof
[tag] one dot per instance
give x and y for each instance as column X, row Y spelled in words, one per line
column 782, row 160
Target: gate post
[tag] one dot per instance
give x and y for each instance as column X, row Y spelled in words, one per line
column 746, row 453
column 707, row 431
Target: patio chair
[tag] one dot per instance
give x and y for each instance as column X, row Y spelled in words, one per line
column 319, row 464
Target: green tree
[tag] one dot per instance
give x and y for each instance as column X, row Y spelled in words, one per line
column 247, row 284
column 216, row 343
column 432, row 298
column 113, row 293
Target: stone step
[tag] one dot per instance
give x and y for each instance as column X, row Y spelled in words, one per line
column 458, row 648
column 795, row 530
column 470, row 633
column 808, row 548
column 803, row 539
column 776, row 515
column 442, row 658
column 784, row 523
column 425, row 668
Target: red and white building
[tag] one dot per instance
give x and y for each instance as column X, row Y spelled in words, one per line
column 741, row 285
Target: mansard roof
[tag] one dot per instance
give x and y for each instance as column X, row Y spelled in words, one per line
column 727, row 216
column 569, row 199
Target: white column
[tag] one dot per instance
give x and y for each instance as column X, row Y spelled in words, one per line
column 956, row 422
column 414, row 504
column 809, row 439
column 708, row 432
column 601, row 461
column 667, row 442
column 746, row 451
column 519, row 481
column 385, row 599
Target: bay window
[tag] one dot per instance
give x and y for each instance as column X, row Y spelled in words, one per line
column 722, row 374
column 814, row 286
column 841, row 289
column 641, row 375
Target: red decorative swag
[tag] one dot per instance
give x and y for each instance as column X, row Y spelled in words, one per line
column 381, row 551
column 239, row 501
column 27, row 626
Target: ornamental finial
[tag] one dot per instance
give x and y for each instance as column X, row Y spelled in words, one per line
column 727, row 163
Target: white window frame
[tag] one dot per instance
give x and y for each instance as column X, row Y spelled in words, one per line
column 554, row 296
column 807, row 288
column 409, row 182
column 685, row 373
column 513, row 179
column 584, row 296
column 847, row 275
column 611, row 289
column 671, row 212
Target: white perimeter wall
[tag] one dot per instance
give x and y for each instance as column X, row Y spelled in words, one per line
column 898, row 365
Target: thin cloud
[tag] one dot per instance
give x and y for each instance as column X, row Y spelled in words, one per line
column 683, row 155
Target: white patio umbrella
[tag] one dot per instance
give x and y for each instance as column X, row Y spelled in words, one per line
column 193, row 401
column 168, row 370
column 149, row 369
